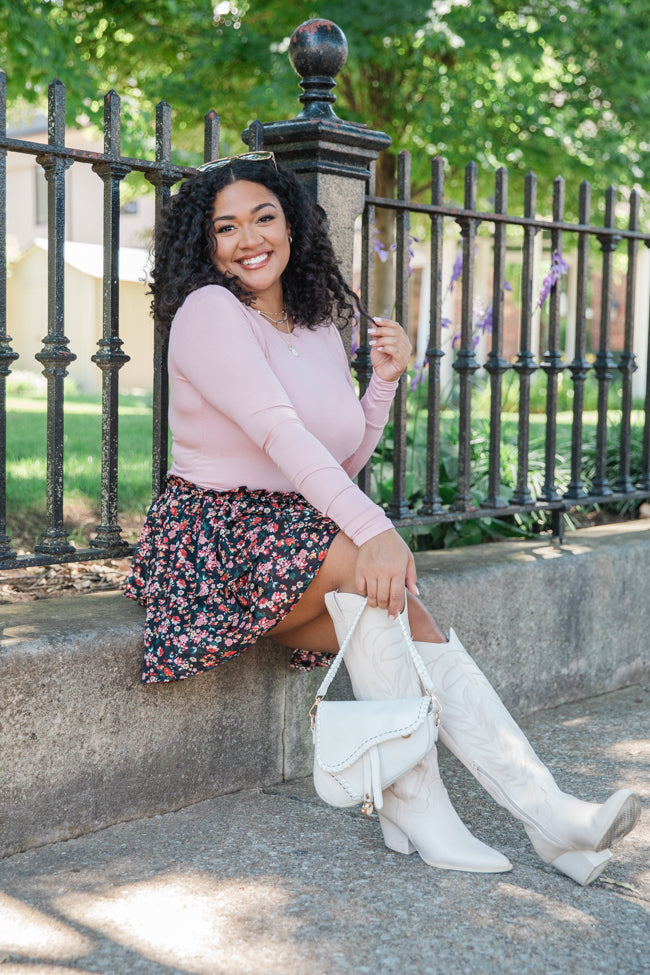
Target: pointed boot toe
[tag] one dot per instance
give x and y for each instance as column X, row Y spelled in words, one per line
column 434, row 829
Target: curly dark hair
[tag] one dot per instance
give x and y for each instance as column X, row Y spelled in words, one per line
column 185, row 245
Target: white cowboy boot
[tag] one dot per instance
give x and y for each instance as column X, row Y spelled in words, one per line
column 417, row 812
column 566, row 832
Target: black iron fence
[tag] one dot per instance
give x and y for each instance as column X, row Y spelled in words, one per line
column 317, row 142
column 53, row 545
column 627, row 483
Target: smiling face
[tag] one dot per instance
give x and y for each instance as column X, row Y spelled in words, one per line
column 252, row 238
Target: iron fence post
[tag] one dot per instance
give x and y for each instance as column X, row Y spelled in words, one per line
column 627, row 361
column 604, row 363
column 55, row 356
column 525, row 364
column 466, row 363
column 496, row 365
column 110, row 358
column 432, row 503
column 361, row 363
column 399, row 506
column 553, row 363
column 7, row 355
column 643, row 483
column 579, row 366
column 163, row 179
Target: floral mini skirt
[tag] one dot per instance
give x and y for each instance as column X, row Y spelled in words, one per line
column 217, row 570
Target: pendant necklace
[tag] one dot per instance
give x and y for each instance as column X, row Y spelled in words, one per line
column 276, row 323
column 286, row 338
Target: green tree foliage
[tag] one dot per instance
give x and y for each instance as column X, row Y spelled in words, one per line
column 557, row 87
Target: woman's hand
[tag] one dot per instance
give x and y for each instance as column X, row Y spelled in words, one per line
column 390, row 349
column 385, row 567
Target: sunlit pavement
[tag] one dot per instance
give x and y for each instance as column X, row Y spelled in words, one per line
column 275, row 882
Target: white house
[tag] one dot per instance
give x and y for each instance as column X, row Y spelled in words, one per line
column 27, row 195
column 27, row 311
column 27, row 252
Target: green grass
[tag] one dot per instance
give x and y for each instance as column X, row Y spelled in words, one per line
column 26, row 461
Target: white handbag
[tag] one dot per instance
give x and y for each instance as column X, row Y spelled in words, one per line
column 362, row 747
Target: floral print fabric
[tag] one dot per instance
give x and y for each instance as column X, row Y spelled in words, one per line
column 217, row 570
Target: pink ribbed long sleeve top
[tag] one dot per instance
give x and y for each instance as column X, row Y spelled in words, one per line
column 244, row 411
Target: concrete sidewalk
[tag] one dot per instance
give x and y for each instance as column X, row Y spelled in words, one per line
column 273, row 881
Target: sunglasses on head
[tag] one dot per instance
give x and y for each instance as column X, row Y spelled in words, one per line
column 262, row 156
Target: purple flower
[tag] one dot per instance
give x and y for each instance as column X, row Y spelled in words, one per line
column 379, row 249
column 485, row 324
column 558, row 267
column 476, row 338
column 419, row 374
column 412, row 240
column 457, row 269
column 482, row 319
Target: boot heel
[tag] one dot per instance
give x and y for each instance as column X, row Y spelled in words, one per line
column 583, row 866
column 394, row 838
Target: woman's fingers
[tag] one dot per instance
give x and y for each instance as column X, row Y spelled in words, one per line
column 384, row 563
column 384, row 587
column 412, row 577
column 397, row 599
column 390, row 348
column 386, row 333
column 386, row 594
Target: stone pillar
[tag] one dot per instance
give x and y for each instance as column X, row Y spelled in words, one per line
column 330, row 155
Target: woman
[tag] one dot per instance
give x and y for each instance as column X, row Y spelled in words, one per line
column 261, row 530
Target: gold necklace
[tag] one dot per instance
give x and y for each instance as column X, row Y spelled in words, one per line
column 289, row 344
column 274, row 321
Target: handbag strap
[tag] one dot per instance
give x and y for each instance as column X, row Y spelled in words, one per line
column 338, row 659
column 420, row 667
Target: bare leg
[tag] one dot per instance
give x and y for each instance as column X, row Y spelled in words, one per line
column 309, row 626
column 570, row 834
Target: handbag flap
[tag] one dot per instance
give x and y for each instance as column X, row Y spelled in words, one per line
column 344, row 730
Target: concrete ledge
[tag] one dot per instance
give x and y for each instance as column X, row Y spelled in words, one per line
column 84, row 744
column 549, row 624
